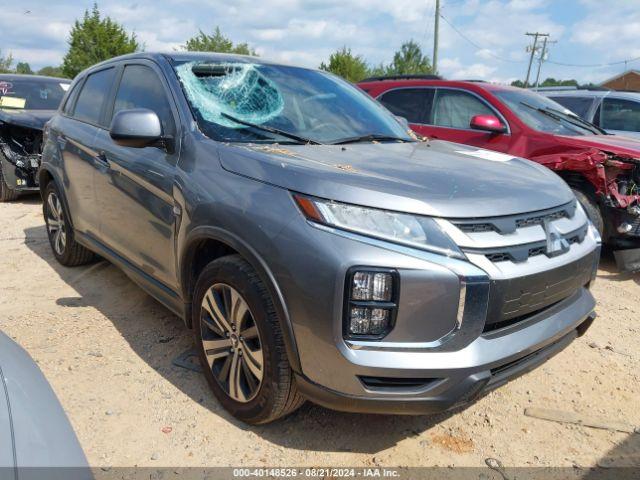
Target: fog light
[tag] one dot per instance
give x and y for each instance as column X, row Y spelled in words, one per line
column 368, row 321
column 371, row 302
column 372, row 286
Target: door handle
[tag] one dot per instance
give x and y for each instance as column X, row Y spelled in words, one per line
column 101, row 160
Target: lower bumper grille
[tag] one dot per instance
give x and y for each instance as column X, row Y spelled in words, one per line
column 516, row 299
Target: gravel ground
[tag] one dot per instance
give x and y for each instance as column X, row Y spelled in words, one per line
column 107, row 349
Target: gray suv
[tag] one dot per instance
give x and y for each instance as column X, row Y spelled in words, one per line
column 315, row 246
column 615, row 112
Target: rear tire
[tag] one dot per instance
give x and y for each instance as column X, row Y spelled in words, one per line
column 61, row 236
column 6, row 194
column 592, row 210
column 237, row 303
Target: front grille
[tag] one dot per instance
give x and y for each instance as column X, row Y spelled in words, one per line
column 509, row 224
column 540, row 219
column 517, row 298
column 521, row 253
column 516, row 238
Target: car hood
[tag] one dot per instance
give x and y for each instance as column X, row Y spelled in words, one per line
column 26, row 118
column 611, row 143
column 433, row 178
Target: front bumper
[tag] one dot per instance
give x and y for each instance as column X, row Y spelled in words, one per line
column 19, row 179
column 455, row 387
column 437, row 356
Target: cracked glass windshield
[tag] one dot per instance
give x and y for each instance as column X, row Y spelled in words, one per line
column 261, row 103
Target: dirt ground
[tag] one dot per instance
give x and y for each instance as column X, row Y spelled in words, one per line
column 107, row 349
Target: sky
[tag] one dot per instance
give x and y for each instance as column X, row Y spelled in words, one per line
column 479, row 39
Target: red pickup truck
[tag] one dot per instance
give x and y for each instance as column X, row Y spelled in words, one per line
column 603, row 170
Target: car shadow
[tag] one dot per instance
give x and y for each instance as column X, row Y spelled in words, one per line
column 30, row 198
column 622, row 462
column 158, row 337
column 611, row 270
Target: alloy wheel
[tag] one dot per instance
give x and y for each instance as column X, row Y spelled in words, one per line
column 55, row 224
column 231, row 342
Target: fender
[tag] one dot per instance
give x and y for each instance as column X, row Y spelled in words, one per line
column 250, row 255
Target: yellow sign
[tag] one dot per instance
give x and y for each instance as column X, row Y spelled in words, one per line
column 12, row 102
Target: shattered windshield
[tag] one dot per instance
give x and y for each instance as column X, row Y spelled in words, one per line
column 543, row 114
column 247, row 102
column 32, row 94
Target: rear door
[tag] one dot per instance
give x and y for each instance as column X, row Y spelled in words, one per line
column 135, row 191
column 75, row 131
column 411, row 103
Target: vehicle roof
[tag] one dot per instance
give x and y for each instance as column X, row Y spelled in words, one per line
column 470, row 84
column 592, row 93
column 189, row 56
column 17, row 76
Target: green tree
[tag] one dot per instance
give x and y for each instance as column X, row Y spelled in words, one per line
column 409, row 60
column 24, row 68
column 347, row 65
column 51, row 71
column 94, row 39
column 216, row 43
column 552, row 82
column 517, row 83
column 5, row 63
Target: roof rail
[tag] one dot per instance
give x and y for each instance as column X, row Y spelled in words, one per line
column 419, row 76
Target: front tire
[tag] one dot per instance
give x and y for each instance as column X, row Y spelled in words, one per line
column 240, row 343
column 61, row 237
column 591, row 209
column 6, row 194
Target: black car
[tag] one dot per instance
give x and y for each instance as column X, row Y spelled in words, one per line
column 27, row 102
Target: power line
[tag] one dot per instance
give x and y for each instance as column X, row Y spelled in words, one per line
column 562, row 64
column 478, row 47
column 594, row 65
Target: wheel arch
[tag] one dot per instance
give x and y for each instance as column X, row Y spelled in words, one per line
column 203, row 245
column 48, row 175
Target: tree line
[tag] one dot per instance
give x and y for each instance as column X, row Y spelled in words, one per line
column 95, row 38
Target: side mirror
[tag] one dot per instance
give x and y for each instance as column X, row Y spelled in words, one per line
column 136, row 128
column 487, row 123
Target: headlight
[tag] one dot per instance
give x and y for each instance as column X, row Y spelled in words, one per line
column 402, row 228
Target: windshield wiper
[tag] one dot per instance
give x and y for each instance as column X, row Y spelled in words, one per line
column 576, row 120
column 277, row 131
column 371, row 137
column 562, row 117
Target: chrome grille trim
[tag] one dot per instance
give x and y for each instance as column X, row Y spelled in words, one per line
column 517, row 238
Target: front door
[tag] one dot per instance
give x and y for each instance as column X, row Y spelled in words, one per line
column 135, row 192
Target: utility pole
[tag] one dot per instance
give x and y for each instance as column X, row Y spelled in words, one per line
column 542, row 58
column 533, row 49
column 436, row 27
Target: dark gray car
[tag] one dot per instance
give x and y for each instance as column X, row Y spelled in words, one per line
column 317, row 248
column 36, row 439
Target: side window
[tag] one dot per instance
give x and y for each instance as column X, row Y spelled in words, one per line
column 455, row 108
column 92, row 96
column 578, row 105
column 140, row 87
column 619, row 114
column 411, row 103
